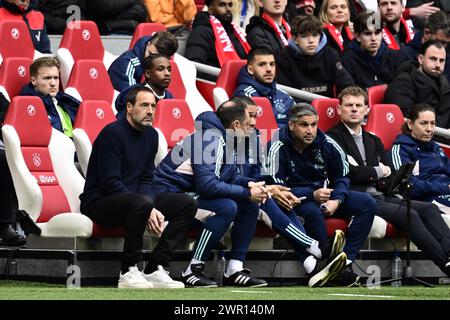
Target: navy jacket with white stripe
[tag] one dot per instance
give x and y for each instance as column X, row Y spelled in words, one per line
column 306, row 172
column 128, row 69
column 200, row 164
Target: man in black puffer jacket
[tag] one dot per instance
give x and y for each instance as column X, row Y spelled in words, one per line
column 308, row 63
column 423, row 82
column 367, row 57
column 58, row 12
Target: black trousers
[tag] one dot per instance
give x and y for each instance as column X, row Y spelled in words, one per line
column 428, row 230
column 8, row 200
column 132, row 210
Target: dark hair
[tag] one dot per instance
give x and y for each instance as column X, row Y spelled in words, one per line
column 132, row 94
column 301, row 109
column 361, row 22
column 414, row 115
column 165, row 42
column 303, row 24
column 438, row 21
column 148, row 61
column 230, row 111
column 429, row 43
column 258, row 51
column 354, row 91
column 41, row 63
column 244, row 99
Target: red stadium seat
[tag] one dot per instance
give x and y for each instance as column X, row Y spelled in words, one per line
column 265, row 119
column 81, row 40
column 376, row 94
column 92, row 117
column 15, row 40
column 227, row 81
column 385, row 121
column 14, row 74
column 146, row 29
column 90, row 81
column 327, row 110
column 174, row 119
column 46, row 180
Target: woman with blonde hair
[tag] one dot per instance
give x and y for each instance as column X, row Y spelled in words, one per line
column 335, row 15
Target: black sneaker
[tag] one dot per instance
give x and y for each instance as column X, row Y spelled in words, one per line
column 197, row 278
column 242, row 279
column 27, row 223
column 12, row 238
column 346, row 278
column 324, row 270
column 331, row 248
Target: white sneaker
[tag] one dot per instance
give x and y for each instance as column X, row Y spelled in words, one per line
column 133, row 279
column 161, row 279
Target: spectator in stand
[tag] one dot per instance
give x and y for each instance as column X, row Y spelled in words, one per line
column 420, row 10
column 127, row 69
column 437, row 27
column 215, row 38
column 44, row 83
column 370, row 172
column 430, row 178
column 58, row 12
column 335, row 16
column 119, row 193
column 116, row 16
column 269, row 29
column 25, row 10
column 257, row 79
column 397, row 31
column 157, row 71
column 423, row 82
column 172, row 14
column 243, row 10
column 308, row 63
column 368, row 58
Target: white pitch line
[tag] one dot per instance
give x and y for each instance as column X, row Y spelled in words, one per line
column 245, row 291
column 359, row 295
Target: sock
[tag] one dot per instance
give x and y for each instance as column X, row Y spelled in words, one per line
column 234, row 266
column 309, row 264
column 188, row 270
column 315, row 250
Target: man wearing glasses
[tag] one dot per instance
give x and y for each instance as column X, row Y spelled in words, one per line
column 119, row 193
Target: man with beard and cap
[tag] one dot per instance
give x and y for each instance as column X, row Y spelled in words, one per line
column 215, row 38
column 25, row 10
column 119, row 192
column 422, row 81
column 367, row 58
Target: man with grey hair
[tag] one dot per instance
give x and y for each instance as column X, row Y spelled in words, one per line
column 315, row 167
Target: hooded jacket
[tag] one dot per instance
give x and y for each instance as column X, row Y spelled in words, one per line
column 34, row 20
column 260, row 34
column 431, row 175
column 411, row 50
column 280, row 100
column 319, row 73
column 128, row 69
column 200, row 46
column 307, row 171
column 366, row 70
column 411, row 86
column 201, row 164
column 65, row 101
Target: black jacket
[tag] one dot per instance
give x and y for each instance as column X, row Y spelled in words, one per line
column 366, row 70
column 411, row 86
column 259, row 33
column 362, row 175
column 56, row 13
column 318, row 73
column 200, row 46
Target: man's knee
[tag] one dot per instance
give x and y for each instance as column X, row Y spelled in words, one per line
column 143, row 204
